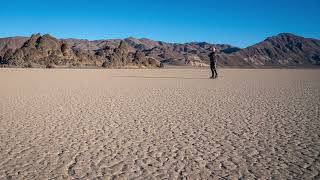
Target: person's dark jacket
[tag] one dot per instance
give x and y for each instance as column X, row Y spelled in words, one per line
column 213, row 58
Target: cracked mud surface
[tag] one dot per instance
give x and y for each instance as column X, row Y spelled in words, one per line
column 159, row 124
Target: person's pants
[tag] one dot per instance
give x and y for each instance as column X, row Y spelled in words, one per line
column 214, row 72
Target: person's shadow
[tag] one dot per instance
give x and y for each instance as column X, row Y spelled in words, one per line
column 154, row 77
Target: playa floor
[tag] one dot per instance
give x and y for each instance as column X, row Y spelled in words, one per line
column 159, row 124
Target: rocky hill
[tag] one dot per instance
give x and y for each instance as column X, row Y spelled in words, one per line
column 47, row 51
column 283, row 50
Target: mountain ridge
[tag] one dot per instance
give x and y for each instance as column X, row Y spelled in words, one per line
column 282, row 50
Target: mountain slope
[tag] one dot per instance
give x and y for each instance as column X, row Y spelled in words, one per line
column 283, row 50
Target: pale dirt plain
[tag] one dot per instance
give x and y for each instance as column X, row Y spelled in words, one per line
column 159, row 124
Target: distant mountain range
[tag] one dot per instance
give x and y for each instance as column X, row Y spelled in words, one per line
column 281, row 51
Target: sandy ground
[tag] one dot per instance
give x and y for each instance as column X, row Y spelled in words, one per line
column 159, row 124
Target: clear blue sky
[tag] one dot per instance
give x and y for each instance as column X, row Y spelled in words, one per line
column 236, row 22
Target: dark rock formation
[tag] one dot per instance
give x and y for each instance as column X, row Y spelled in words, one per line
column 48, row 51
column 38, row 49
column 123, row 56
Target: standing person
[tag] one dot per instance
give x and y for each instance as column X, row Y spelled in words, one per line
column 213, row 63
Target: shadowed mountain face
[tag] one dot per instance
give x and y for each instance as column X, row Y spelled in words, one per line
column 283, row 50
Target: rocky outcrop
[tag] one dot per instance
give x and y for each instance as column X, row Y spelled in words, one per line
column 118, row 57
column 47, row 51
column 122, row 56
column 42, row 50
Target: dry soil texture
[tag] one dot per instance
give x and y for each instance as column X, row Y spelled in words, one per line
column 159, row 124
